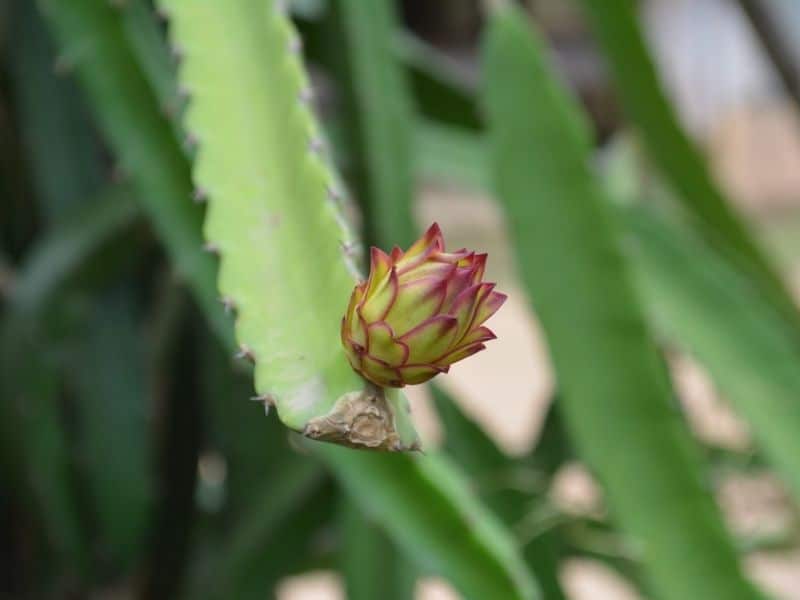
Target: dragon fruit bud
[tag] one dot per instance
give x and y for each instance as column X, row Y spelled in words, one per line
column 418, row 312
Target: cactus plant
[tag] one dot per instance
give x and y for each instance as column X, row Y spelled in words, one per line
column 275, row 207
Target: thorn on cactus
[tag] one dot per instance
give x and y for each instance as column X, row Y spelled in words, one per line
column 315, row 145
column 246, row 353
column 295, row 44
column 269, row 398
column 418, row 312
column 190, row 141
column 334, row 195
column 228, row 304
column 177, row 53
column 306, row 95
column 349, row 248
column 266, row 399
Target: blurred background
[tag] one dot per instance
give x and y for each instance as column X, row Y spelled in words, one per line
column 134, row 464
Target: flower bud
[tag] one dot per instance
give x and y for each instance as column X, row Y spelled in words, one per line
column 418, row 312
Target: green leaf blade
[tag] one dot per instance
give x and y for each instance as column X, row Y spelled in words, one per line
column 381, row 109
column 703, row 303
column 93, row 43
column 110, row 377
column 617, row 29
column 371, row 565
column 64, row 158
column 616, row 400
column 425, row 504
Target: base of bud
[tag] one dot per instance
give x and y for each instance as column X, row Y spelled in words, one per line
column 360, row 419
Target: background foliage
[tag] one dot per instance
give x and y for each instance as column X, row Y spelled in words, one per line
column 180, row 195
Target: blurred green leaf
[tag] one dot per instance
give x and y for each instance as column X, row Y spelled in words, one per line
column 440, row 88
column 56, row 256
column 505, row 483
column 36, row 455
column 94, row 44
column 616, row 400
column 616, row 27
column 381, row 116
column 114, row 412
column 179, row 443
column 721, row 317
column 254, row 542
column 761, row 339
column 265, row 482
column 477, row 453
column 149, row 45
column 465, row 441
column 254, row 445
column 425, row 504
column 36, row 447
column 299, row 542
column 307, row 9
column 62, row 153
column 451, row 154
column 371, row 565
